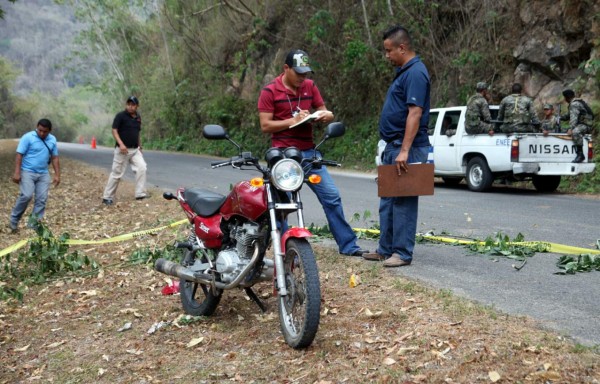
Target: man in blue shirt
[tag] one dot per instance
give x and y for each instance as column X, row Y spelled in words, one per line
column 403, row 126
column 36, row 150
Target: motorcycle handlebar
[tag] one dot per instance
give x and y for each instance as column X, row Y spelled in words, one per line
column 217, row 164
column 331, row 162
column 236, row 162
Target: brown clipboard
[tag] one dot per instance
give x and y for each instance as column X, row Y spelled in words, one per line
column 418, row 181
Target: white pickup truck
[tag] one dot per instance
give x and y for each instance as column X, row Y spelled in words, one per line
column 482, row 158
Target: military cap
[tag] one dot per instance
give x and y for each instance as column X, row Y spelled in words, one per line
column 481, row 86
column 548, row 106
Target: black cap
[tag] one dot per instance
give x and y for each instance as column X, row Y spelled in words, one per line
column 298, row 61
column 134, row 100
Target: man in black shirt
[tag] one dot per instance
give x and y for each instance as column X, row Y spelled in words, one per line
column 128, row 149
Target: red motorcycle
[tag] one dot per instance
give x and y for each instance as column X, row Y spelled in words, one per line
column 230, row 235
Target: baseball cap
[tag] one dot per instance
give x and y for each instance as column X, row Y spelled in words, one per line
column 548, row 106
column 134, row 100
column 298, row 61
column 481, row 86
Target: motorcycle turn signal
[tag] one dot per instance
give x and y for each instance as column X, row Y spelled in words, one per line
column 257, row 182
column 314, row 179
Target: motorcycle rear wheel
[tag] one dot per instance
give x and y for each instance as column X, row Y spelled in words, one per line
column 299, row 310
column 197, row 299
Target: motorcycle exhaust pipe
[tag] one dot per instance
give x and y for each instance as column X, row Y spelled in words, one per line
column 177, row 270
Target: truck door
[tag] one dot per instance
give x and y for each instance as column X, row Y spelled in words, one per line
column 446, row 140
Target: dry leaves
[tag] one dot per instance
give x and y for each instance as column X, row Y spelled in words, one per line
column 194, row 342
column 386, row 330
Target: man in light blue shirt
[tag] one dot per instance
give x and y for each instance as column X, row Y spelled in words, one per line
column 36, row 150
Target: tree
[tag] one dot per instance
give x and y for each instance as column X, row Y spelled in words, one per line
column 2, row 10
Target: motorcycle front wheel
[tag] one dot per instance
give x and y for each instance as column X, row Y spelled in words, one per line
column 197, row 299
column 299, row 310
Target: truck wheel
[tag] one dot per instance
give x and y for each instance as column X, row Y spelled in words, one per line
column 452, row 180
column 479, row 176
column 546, row 183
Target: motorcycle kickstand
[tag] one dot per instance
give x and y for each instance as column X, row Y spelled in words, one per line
column 255, row 298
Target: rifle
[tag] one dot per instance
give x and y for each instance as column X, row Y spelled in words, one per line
column 558, row 129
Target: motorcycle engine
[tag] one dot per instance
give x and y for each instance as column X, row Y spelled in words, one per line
column 231, row 261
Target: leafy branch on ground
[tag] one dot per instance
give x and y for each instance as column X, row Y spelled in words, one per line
column 148, row 255
column 501, row 245
column 585, row 262
column 45, row 257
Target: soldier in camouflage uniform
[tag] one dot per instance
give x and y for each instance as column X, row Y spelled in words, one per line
column 580, row 118
column 516, row 112
column 478, row 118
column 551, row 122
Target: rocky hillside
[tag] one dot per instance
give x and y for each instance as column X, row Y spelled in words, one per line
column 555, row 46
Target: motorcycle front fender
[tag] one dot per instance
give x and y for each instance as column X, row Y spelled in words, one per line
column 293, row 232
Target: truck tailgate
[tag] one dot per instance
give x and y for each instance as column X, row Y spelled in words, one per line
column 535, row 148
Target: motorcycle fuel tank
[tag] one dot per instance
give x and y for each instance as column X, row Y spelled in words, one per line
column 245, row 200
column 208, row 229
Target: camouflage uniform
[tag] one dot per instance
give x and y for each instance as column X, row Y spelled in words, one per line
column 550, row 124
column 580, row 121
column 477, row 119
column 516, row 111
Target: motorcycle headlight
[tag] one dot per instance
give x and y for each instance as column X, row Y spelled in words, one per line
column 287, row 175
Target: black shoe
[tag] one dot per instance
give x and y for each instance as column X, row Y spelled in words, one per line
column 358, row 253
column 107, row 202
column 579, row 158
column 142, row 197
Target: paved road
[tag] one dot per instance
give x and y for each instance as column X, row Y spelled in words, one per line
column 568, row 304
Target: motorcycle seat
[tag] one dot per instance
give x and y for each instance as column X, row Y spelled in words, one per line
column 203, row 202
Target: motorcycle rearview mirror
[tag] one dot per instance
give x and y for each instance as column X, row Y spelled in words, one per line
column 216, row 132
column 333, row 130
column 168, row 196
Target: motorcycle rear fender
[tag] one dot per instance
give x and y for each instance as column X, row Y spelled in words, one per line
column 293, row 232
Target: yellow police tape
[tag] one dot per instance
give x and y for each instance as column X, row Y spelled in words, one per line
column 548, row 247
column 127, row 236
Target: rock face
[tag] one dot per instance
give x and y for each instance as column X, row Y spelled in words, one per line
column 555, row 38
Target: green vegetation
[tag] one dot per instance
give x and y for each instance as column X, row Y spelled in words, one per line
column 501, row 245
column 148, row 255
column 570, row 265
column 47, row 257
column 198, row 63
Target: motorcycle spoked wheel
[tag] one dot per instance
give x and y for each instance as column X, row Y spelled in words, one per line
column 197, row 299
column 299, row 310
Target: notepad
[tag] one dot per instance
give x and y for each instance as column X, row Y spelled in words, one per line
column 309, row 118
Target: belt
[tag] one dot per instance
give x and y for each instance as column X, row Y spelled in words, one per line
column 393, row 139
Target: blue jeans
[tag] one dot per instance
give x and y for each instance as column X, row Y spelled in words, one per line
column 330, row 199
column 398, row 215
column 31, row 183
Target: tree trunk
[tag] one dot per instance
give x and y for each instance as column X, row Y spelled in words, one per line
column 364, row 8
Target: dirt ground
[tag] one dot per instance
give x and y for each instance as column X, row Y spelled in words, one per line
column 385, row 330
